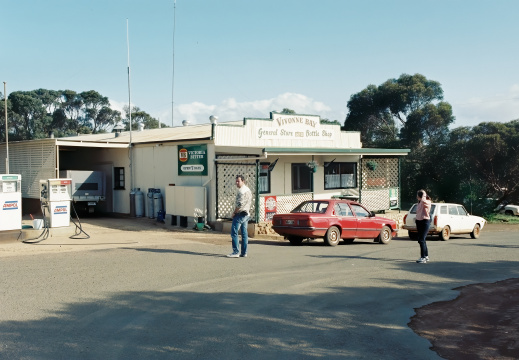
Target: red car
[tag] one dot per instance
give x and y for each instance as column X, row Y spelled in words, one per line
column 333, row 220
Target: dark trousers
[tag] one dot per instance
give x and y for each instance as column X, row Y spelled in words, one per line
column 422, row 226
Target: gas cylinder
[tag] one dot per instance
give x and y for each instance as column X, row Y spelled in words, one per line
column 157, row 201
column 139, row 203
column 149, row 201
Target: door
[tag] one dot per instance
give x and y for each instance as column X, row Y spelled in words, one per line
column 366, row 227
column 347, row 220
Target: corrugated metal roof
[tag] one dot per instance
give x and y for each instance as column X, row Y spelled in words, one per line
column 191, row 132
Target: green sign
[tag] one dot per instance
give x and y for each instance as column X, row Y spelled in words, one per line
column 192, row 160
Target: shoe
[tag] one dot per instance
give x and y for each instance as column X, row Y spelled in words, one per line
column 233, row 255
column 421, row 260
column 427, row 258
column 243, row 255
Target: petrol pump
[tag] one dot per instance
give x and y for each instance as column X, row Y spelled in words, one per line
column 55, row 196
column 10, row 202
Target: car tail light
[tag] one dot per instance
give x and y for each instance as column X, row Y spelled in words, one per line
column 436, row 221
column 405, row 218
column 306, row 222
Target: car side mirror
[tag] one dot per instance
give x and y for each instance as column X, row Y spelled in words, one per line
column 372, row 213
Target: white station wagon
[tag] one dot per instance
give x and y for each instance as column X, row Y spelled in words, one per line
column 446, row 219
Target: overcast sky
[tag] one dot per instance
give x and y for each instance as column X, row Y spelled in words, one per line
column 244, row 58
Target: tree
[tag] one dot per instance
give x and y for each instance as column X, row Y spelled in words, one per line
column 287, row 111
column 139, row 116
column 94, row 103
column 407, row 110
column 28, row 116
column 492, row 154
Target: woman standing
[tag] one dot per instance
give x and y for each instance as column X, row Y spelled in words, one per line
column 423, row 221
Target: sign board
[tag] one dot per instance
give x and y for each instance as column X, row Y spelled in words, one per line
column 270, row 207
column 192, row 160
column 295, row 127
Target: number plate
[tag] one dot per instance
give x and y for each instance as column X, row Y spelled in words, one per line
column 289, row 222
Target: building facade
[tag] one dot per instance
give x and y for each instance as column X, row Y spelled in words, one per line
column 285, row 159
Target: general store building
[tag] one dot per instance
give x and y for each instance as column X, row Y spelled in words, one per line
column 285, row 159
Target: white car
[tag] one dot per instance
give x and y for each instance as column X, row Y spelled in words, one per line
column 508, row 209
column 446, row 219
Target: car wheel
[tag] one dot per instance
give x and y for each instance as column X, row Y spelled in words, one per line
column 333, row 236
column 385, row 235
column 446, row 233
column 413, row 235
column 475, row 233
column 509, row 212
column 295, row 240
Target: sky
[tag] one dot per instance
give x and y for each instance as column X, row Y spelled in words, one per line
column 239, row 59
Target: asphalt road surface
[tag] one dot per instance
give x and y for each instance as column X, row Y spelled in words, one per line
column 154, row 294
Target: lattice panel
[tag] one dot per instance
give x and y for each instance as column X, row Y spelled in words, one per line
column 285, row 203
column 226, row 191
column 379, row 173
column 375, row 200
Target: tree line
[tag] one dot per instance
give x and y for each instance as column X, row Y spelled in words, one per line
column 477, row 166
column 37, row 113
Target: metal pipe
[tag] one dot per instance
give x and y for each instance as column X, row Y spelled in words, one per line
column 6, row 132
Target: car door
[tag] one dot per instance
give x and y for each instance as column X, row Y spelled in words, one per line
column 366, row 227
column 465, row 219
column 347, row 220
column 455, row 222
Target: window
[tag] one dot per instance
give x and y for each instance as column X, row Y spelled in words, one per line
column 264, row 178
column 302, row 178
column 453, row 210
column 318, row 207
column 360, row 211
column 339, row 175
column 461, row 210
column 119, row 178
column 342, row 209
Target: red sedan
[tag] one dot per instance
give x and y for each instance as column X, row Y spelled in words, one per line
column 333, row 220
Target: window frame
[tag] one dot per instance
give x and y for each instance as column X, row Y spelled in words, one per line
column 296, row 187
column 267, row 172
column 337, row 165
column 119, row 181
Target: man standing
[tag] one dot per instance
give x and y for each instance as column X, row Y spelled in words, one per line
column 240, row 218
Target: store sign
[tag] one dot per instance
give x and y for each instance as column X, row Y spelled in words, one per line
column 270, row 207
column 285, row 127
column 192, row 160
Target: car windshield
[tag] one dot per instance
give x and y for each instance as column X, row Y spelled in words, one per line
column 312, row 207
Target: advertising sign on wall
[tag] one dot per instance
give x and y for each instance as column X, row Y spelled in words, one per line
column 270, row 207
column 192, row 160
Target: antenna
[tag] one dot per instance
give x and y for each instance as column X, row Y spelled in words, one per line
column 129, row 106
column 173, row 76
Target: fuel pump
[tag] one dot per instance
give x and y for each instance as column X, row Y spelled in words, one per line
column 55, row 196
column 10, row 202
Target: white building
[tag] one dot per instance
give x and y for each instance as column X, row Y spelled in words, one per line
column 285, row 159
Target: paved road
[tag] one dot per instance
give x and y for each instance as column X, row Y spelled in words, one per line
column 180, row 297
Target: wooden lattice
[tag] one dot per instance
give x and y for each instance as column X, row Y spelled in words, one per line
column 226, row 185
column 284, row 203
column 380, row 183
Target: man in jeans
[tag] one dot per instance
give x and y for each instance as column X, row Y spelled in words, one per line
column 240, row 218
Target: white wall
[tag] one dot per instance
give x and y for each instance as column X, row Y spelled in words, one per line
column 156, row 166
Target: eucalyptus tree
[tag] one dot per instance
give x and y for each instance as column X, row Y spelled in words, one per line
column 408, row 110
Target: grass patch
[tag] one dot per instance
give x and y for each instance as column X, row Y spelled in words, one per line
column 502, row 218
